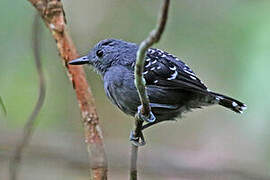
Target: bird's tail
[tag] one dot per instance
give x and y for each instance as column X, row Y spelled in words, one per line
column 230, row 103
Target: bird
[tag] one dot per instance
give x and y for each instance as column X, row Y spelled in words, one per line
column 172, row 87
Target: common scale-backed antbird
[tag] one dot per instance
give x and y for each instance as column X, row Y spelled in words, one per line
column 171, row 85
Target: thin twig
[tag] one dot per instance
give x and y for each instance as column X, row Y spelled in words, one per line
column 2, row 105
column 30, row 124
column 153, row 37
column 53, row 15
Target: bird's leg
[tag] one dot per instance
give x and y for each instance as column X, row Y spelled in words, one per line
column 136, row 136
column 149, row 119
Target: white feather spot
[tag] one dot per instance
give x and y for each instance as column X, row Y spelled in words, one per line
column 234, row 104
column 145, row 72
column 164, row 55
column 173, row 68
column 244, row 107
column 153, row 68
column 177, row 59
column 155, row 61
column 155, row 81
column 201, row 82
column 173, row 75
column 148, row 59
column 192, row 77
column 153, row 51
column 149, row 64
column 221, row 97
column 158, row 67
column 189, row 72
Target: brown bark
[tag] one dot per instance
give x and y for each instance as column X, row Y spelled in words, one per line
column 54, row 17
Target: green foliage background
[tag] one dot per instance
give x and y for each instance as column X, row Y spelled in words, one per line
column 227, row 44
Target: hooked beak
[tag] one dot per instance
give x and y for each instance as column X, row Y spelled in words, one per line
column 79, row 61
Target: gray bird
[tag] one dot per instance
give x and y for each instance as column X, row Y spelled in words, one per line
column 171, row 85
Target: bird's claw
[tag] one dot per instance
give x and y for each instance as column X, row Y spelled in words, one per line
column 151, row 119
column 137, row 140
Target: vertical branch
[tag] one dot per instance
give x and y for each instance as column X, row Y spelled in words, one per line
column 133, row 164
column 153, row 37
column 29, row 126
column 2, row 105
column 54, row 17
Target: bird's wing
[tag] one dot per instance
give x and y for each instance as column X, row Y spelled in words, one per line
column 167, row 71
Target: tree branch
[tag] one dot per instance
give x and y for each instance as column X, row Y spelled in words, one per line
column 153, row 37
column 2, row 105
column 29, row 126
column 54, row 17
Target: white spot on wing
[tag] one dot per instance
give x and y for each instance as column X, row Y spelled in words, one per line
column 155, row 61
column 173, row 75
column 234, row 104
column 158, row 67
column 173, row 68
column 149, row 64
column 145, row 72
column 244, row 107
column 219, row 98
column 151, row 51
column 155, row 81
column 153, row 68
column 192, row 77
column 188, row 72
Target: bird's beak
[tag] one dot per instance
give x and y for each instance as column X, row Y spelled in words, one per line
column 79, row 61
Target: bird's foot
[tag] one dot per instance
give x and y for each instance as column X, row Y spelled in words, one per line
column 150, row 119
column 137, row 140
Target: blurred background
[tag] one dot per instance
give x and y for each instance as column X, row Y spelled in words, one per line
column 226, row 43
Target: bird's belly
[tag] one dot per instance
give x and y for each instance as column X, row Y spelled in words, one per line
column 165, row 104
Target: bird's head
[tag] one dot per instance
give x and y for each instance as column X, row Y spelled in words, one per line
column 107, row 53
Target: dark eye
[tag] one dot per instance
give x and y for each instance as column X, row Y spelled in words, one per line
column 99, row 53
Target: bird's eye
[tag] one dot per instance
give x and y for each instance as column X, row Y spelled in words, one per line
column 99, row 53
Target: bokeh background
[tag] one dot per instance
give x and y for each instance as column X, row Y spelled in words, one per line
column 227, row 44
